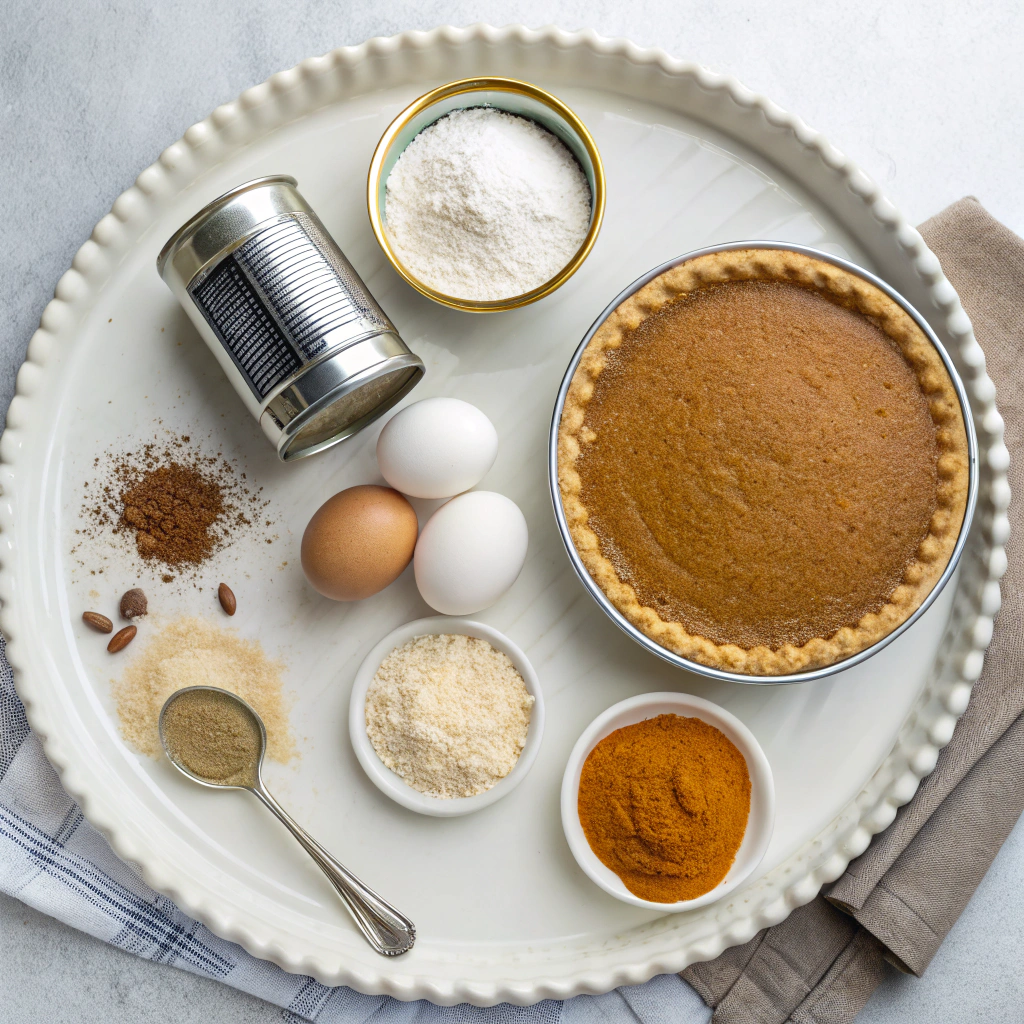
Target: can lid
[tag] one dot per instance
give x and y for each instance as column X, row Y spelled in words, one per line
column 349, row 413
column 337, row 397
column 196, row 222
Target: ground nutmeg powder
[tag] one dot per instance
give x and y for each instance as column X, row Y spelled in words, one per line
column 173, row 511
column 213, row 737
column 178, row 505
column 664, row 804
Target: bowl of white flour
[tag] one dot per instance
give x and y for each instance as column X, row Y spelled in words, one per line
column 446, row 716
column 486, row 194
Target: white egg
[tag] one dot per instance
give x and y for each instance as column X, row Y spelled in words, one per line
column 470, row 552
column 436, row 448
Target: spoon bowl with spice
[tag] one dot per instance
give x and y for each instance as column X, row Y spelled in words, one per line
column 216, row 739
column 486, row 194
column 668, row 802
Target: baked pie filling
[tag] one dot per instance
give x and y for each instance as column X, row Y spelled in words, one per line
column 763, row 462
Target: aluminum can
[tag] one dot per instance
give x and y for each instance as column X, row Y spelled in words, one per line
column 306, row 346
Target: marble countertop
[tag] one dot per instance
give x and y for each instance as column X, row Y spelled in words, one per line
column 925, row 96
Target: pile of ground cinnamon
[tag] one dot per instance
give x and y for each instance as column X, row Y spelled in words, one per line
column 173, row 510
column 664, row 804
column 178, row 505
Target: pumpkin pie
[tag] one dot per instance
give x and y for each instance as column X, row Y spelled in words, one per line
column 763, row 462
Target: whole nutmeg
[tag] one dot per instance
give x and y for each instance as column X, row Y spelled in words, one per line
column 134, row 604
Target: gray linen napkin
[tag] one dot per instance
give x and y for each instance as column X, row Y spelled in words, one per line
column 900, row 898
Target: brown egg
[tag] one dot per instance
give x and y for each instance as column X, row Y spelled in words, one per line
column 358, row 542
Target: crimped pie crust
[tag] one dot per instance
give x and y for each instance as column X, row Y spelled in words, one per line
column 854, row 292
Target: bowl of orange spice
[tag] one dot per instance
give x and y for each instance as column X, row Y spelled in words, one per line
column 668, row 802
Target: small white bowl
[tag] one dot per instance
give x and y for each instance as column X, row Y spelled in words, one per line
column 639, row 709
column 393, row 785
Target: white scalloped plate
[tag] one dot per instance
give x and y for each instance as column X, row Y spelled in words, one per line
column 503, row 913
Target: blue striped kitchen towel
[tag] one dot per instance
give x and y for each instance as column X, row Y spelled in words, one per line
column 52, row 859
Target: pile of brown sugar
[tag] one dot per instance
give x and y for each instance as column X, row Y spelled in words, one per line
column 179, row 505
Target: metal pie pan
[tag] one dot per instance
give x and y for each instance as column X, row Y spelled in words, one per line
column 598, row 594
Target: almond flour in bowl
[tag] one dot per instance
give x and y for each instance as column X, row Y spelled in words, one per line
column 449, row 714
column 446, row 716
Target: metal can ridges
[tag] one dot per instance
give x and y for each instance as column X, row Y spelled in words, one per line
column 304, row 343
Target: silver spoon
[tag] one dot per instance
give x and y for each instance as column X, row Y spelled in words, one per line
column 389, row 932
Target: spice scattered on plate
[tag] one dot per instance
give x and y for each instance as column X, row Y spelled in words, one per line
column 173, row 511
column 178, row 505
column 449, row 714
column 193, row 652
column 214, row 737
column 664, row 804
column 486, row 205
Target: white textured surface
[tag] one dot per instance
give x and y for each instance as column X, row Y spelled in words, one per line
column 840, row 70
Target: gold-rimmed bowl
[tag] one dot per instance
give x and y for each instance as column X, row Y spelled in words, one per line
column 513, row 97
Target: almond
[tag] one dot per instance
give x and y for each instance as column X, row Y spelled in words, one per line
column 227, row 599
column 121, row 639
column 98, row 622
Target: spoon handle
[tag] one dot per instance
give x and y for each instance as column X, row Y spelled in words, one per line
column 389, row 932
